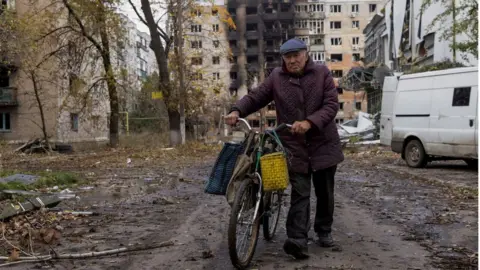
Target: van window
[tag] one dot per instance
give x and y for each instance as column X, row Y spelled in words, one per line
column 461, row 96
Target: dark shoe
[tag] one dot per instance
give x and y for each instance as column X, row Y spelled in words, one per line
column 325, row 239
column 292, row 248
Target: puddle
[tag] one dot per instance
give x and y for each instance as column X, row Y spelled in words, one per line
column 355, row 178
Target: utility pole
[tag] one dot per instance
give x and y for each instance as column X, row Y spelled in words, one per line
column 180, row 66
column 261, row 68
column 454, row 34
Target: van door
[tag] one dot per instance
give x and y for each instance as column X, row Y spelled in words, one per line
column 453, row 115
column 386, row 117
column 476, row 126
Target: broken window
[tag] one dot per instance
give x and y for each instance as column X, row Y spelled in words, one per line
column 318, row 41
column 372, row 8
column 305, row 39
column 197, row 61
column 252, row 43
column 252, row 59
column 216, row 60
column 251, row 27
column 197, row 76
column 356, row 57
column 335, row 8
column 216, row 76
column 233, row 60
column 355, row 40
column 196, row 28
column 341, row 103
column 251, row 10
column 355, row 8
column 233, row 43
column 74, row 121
column 336, row 41
column 318, row 56
column 336, row 57
column 232, row 11
column 336, row 25
column 4, row 121
column 358, row 105
column 216, row 27
column 315, row 7
column 196, row 44
column 233, row 75
column 214, row 11
column 337, row 73
column 196, row 13
column 461, row 96
column 285, row 8
column 356, row 24
column 216, row 43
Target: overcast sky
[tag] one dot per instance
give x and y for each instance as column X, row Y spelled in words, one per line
column 128, row 10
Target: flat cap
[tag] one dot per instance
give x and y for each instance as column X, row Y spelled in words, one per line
column 292, row 45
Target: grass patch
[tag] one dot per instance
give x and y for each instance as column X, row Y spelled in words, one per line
column 46, row 179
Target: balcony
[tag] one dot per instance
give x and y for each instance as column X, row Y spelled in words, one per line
column 252, row 51
column 272, row 33
column 272, row 49
column 252, row 34
column 283, row 16
column 8, row 96
column 310, row 15
column 249, row 3
column 317, row 47
column 307, row 32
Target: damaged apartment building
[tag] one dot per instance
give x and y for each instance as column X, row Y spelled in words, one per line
column 331, row 29
column 64, row 121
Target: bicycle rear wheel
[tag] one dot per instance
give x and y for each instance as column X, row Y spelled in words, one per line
column 241, row 244
column 272, row 214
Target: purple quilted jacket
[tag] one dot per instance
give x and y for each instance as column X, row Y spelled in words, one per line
column 312, row 96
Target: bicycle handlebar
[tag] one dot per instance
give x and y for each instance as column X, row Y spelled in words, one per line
column 279, row 128
column 282, row 127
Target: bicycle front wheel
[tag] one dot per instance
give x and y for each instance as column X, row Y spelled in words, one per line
column 244, row 227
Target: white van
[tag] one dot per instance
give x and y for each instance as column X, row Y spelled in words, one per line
column 431, row 116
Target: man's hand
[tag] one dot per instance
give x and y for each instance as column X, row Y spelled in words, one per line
column 232, row 118
column 301, row 127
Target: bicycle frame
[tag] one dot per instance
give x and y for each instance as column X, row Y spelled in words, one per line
column 258, row 153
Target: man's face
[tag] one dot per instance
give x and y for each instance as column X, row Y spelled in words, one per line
column 295, row 61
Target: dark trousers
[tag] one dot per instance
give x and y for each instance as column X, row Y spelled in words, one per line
column 298, row 220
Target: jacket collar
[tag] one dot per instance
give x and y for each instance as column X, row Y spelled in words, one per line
column 309, row 66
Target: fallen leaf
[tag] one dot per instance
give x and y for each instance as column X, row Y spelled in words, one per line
column 14, row 255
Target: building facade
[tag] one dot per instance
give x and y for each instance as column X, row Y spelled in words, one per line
column 331, row 29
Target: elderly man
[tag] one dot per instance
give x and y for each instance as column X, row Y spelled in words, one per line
column 305, row 96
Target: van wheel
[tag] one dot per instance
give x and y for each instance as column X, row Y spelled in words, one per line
column 415, row 154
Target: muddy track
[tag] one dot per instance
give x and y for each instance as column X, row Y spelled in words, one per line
column 383, row 220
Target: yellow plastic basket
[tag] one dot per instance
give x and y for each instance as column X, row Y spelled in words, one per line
column 274, row 171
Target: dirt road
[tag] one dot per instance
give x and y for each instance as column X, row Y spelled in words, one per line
column 387, row 216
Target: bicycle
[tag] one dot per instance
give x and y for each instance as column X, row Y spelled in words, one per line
column 250, row 198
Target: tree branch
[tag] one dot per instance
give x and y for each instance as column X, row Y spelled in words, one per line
column 160, row 30
column 82, row 27
column 55, row 30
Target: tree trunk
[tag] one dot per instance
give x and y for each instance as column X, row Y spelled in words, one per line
column 242, row 45
column 174, row 119
column 40, row 107
column 164, row 74
column 111, row 83
column 180, row 66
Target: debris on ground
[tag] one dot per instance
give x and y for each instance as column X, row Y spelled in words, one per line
column 361, row 127
column 25, row 179
column 13, row 209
